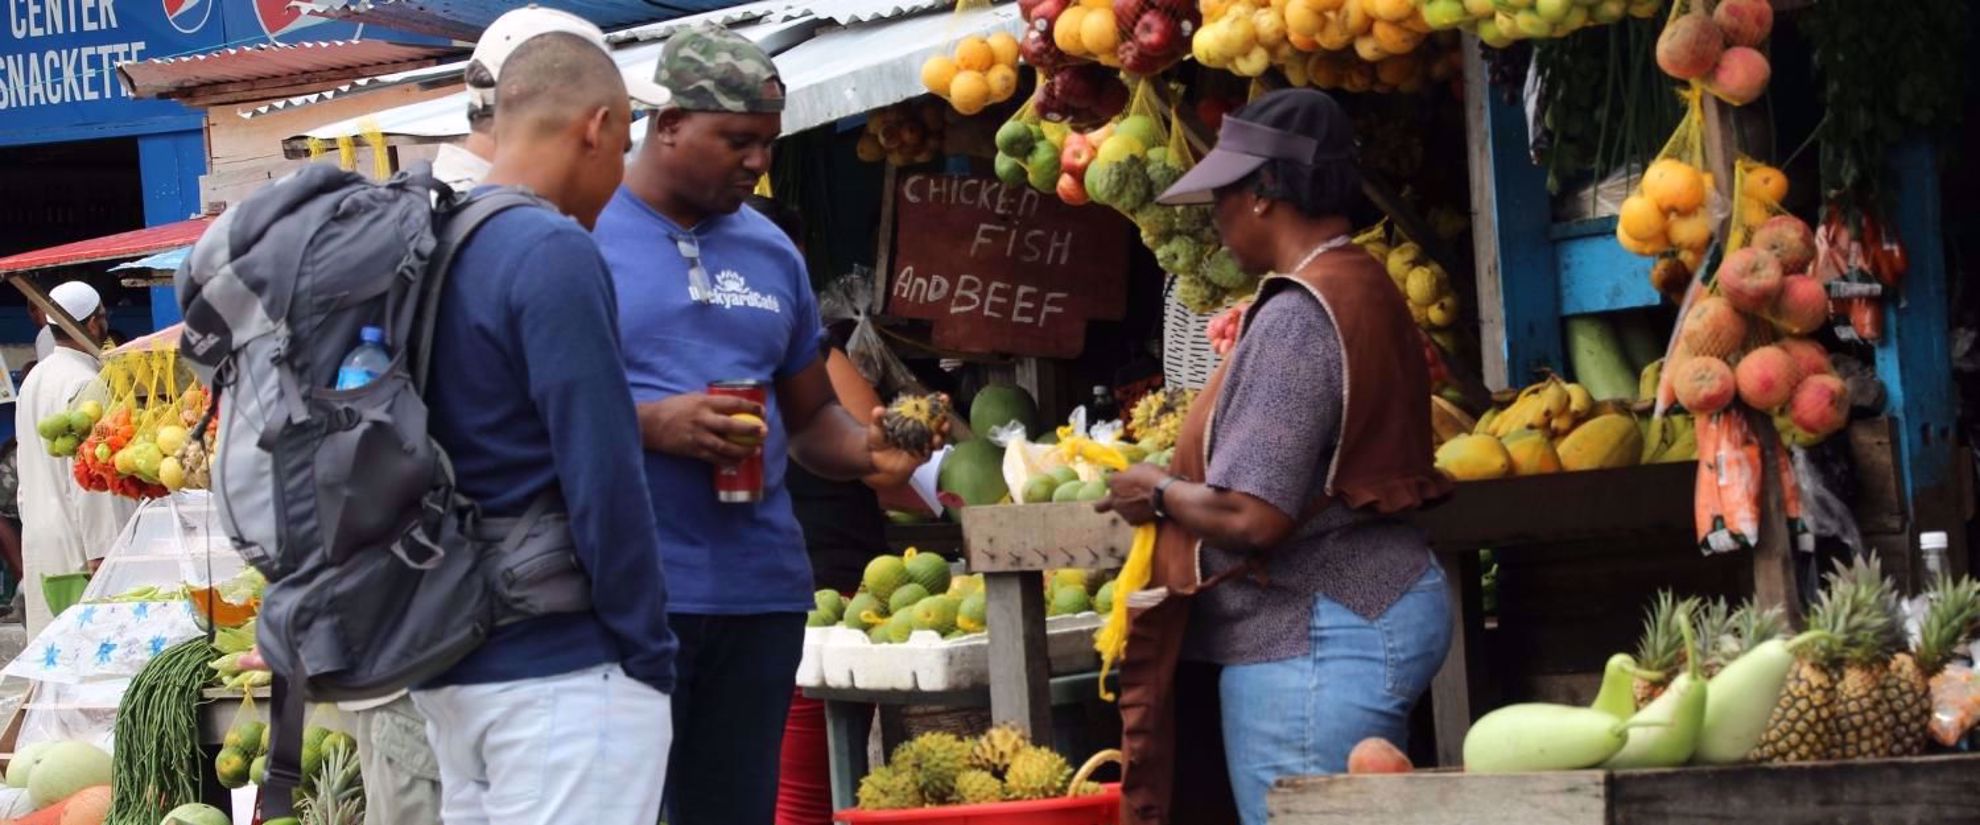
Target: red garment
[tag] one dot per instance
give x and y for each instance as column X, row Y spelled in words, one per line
column 804, row 785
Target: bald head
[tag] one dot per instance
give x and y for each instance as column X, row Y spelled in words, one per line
column 554, row 81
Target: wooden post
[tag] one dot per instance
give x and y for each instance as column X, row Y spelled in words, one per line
column 1020, row 678
column 1773, row 557
column 1519, row 321
column 1452, row 689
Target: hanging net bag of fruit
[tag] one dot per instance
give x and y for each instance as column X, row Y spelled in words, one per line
column 976, row 71
column 1153, row 35
column 1673, row 210
column 1028, row 150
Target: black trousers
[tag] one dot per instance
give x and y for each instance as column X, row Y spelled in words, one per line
column 732, row 692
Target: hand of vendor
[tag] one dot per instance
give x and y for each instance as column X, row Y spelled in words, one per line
column 703, row 427
column 1131, row 493
column 893, row 464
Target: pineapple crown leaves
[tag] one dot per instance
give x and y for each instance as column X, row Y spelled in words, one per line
column 1662, row 647
column 1950, row 618
column 1851, row 610
column 1716, row 640
column 1753, row 625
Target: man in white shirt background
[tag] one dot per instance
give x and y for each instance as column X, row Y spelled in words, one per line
column 64, row 528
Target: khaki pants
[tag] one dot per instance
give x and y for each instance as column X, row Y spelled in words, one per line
column 401, row 777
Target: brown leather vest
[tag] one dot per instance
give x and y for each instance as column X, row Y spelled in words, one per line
column 1382, row 463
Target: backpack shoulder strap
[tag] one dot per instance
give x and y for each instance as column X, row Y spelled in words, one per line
column 456, row 225
column 285, row 734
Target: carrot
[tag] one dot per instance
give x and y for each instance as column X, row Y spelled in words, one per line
column 1705, row 509
column 95, row 800
column 1739, row 479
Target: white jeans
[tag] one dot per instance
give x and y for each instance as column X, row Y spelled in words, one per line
column 587, row 746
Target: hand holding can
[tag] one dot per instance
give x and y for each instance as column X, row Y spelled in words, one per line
column 742, row 482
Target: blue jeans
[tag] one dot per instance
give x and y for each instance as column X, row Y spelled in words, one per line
column 1301, row 716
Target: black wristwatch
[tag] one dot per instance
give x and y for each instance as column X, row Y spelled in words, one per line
column 1162, row 489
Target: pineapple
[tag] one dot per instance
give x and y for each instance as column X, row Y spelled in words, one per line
column 1954, row 608
column 337, row 795
column 1866, row 724
column 1753, row 625
column 1802, row 725
column 1662, row 647
column 1715, row 636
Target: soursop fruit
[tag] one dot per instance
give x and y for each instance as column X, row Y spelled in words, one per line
column 929, row 570
column 889, row 789
column 934, row 760
column 978, row 787
column 884, row 575
column 1037, row 773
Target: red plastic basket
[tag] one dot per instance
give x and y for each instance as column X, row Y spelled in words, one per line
column 1099, row 809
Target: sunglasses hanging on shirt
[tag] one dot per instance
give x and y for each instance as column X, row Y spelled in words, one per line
column 700, row 290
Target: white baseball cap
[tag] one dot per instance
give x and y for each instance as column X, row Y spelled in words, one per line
column 76, row 298
column 511, row 30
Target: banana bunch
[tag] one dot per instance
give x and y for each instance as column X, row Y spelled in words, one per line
column 1551, row 407
column 1670, row 439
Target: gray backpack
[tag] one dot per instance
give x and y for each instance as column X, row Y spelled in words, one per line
column 380, row 576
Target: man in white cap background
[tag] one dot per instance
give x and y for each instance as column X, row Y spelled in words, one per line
column 401, row 774
column 64, row 528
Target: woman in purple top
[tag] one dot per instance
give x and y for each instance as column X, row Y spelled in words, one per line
column 1345, row 618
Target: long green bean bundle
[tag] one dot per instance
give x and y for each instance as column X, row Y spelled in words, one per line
column 156, row 765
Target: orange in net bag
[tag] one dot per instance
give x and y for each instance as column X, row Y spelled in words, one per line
column 1673, row 212
column 979, row 71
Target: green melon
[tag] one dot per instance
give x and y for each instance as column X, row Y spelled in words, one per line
column 1103, row 601
column 1039, row 489
column 831, row 604
column 907, row 596
column 198, row 815
column 23, row 764
column 1069, row 491
column 861, row 605
column 974, row 472
column 929, row 570
column 1094, row 490
column 999, row 404
column 67, row 767
column 884, row 575
column 1069, row 600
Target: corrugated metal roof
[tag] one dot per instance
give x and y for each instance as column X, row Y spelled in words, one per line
column 132, row 244
column 296, row 63
column 440, row 74
column 464, row 19
column 850, row 12
column 837, row 73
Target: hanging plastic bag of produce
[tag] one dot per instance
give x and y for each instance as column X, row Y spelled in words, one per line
column 850, row 298
column 1153, row 34
column 243, row 757
column 1028, row 150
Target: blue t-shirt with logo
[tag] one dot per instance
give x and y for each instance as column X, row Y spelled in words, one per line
column 763, row 324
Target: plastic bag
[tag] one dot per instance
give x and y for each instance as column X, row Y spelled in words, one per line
column 242, row 759
column 1080, row 95
column 1727, row 501
column 1826, row 513
column 1955, row 704
column 850, row 298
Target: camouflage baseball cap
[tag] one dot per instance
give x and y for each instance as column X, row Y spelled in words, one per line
column 712, row 69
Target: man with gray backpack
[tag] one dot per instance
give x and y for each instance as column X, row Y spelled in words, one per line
column 469, row 519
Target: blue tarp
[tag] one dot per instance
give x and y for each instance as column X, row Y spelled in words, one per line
column 168, row 260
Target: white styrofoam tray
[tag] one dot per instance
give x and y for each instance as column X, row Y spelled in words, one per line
column 841, row 657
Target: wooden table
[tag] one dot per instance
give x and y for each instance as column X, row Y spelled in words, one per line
column 1933, row 790
column 849, row 716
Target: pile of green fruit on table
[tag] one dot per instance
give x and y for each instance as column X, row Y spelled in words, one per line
column 916, row 591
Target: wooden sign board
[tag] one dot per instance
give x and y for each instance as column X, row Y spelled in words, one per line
column 1014, row 537
column 1004, row 269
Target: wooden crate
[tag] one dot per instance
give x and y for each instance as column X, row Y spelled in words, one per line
column 1936, row 790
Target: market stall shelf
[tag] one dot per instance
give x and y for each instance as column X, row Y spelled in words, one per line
column 1940, row 790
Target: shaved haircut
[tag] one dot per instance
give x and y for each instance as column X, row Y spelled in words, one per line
column 552, row 80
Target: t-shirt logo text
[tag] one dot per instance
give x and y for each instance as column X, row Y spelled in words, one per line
column 732, row 291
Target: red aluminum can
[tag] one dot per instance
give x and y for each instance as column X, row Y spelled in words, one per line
column 743, row 482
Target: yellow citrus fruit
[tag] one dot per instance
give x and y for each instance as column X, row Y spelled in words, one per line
column 1636, row 247
column 1005, row 47
column 1065, row 31
column 969, row 92
column 974, row 54
column 1690, row 231
column 1443, row 313
column 937, row 73
column 1642, row 219
column 1003, row 82
column 1766, row 183
column 1269, row 26
column 1303, row 19
column 1393, row 11
column 1327, row 6
column 1369, row 48
column 1097, row 32
column 1357, row 19
column 1421, row 286
column 748, row 440
column 1396, row 39
column 1674, row 185
column 1753, row 213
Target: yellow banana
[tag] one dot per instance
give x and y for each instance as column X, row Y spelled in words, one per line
column 1486, row 421
column 1684, row 445
column 1580, row 401
column 1647, row 382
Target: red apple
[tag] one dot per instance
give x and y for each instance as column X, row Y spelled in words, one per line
column 1158, row 33
column 1076, row 155
column 1072, row 190
column 1044, row 12
column 1126, row 10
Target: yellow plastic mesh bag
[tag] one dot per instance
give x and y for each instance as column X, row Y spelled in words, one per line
column 1111, row 641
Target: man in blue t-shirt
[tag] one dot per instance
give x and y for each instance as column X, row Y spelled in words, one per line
column 708, row 293
column 560, row 717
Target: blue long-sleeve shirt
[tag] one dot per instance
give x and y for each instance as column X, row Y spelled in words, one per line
column 528, row 392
